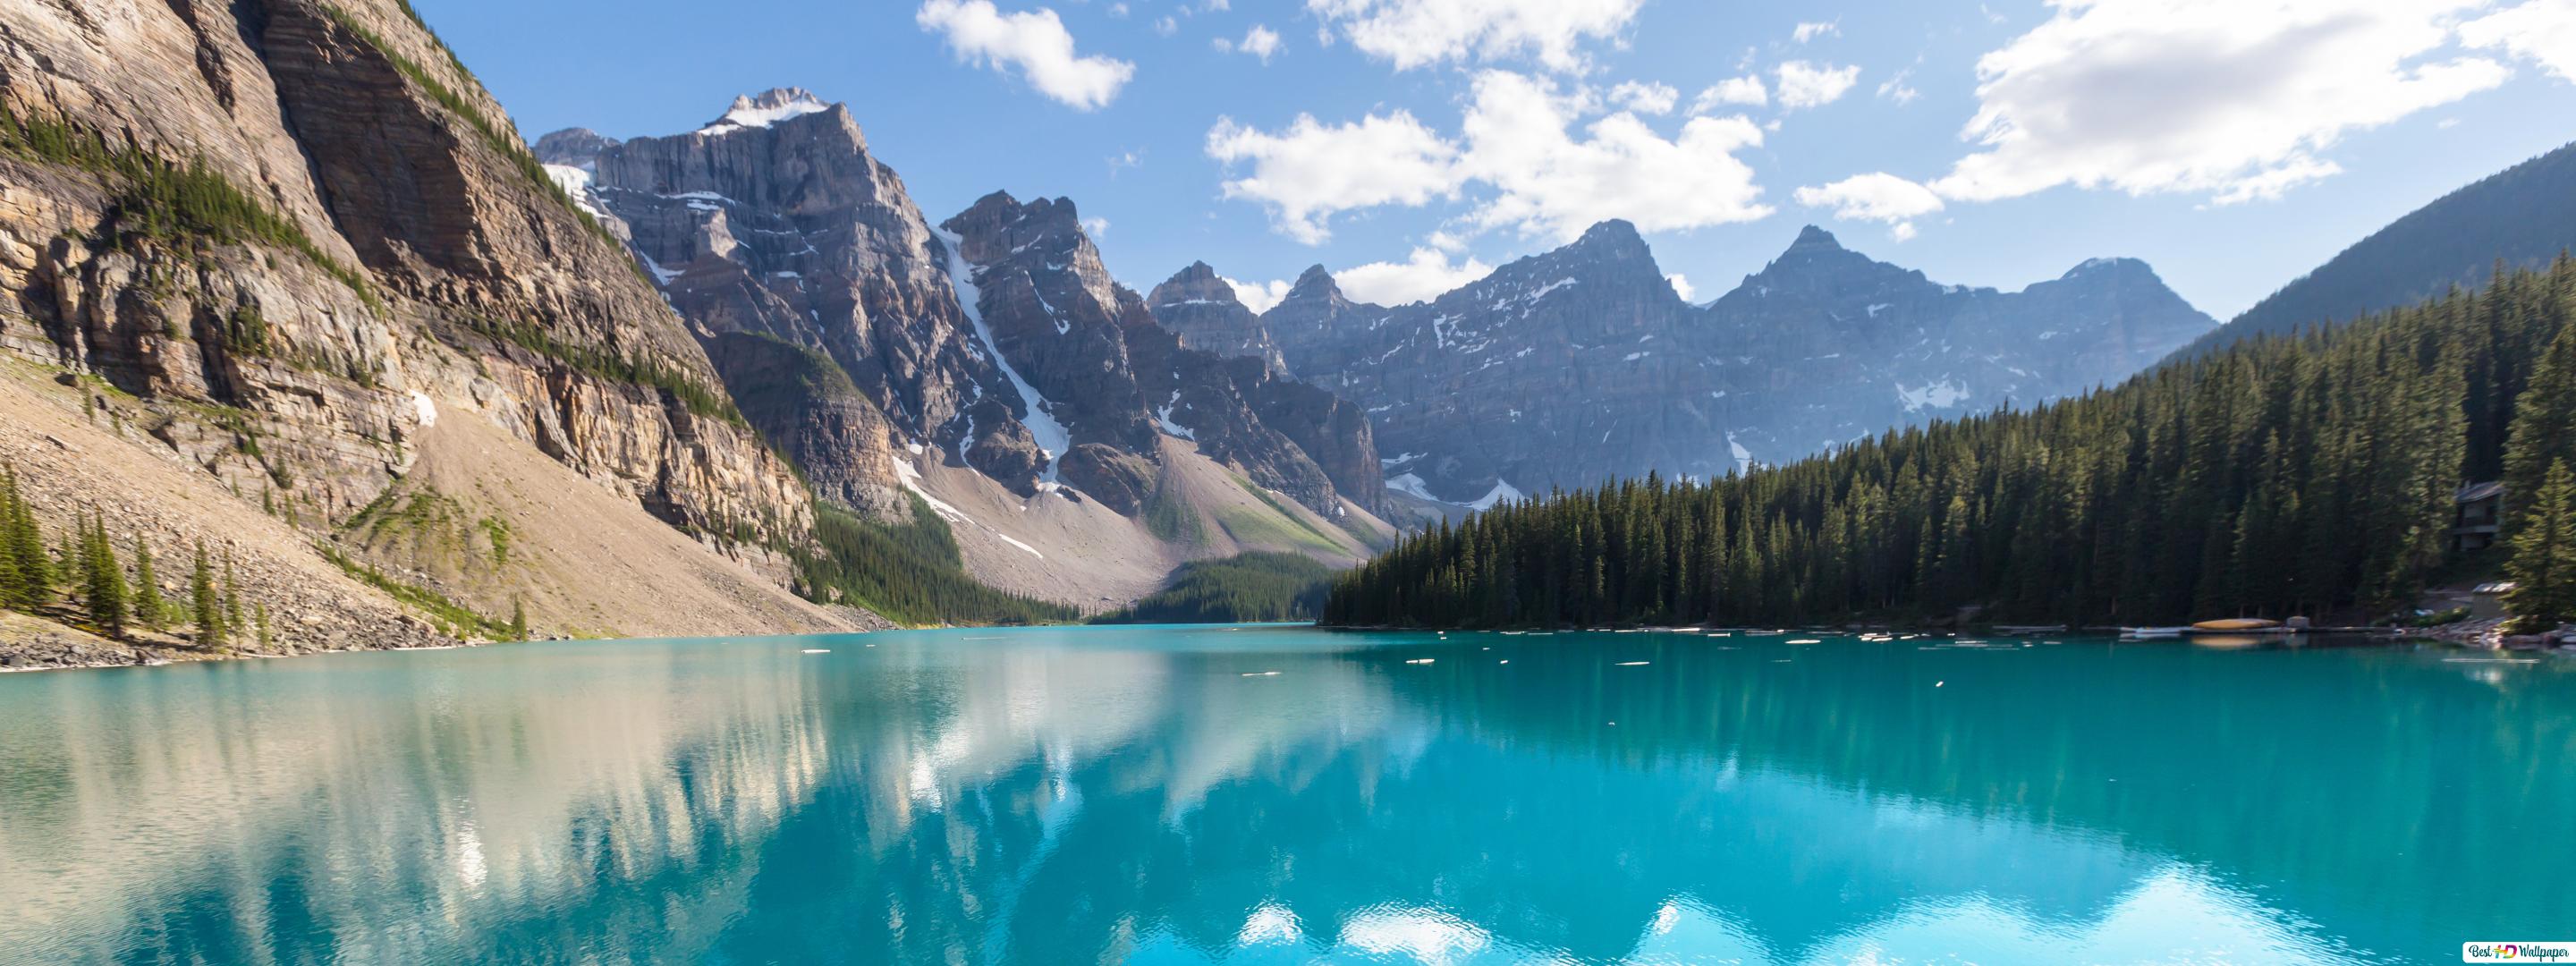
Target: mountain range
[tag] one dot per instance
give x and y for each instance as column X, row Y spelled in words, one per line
column 282, row 281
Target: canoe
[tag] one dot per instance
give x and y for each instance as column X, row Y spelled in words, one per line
column 2152, row 631
column 2239, row 625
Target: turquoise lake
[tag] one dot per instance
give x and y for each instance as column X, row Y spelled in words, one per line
column 1282, row 794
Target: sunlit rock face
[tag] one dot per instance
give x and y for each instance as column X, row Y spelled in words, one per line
column 996, row 335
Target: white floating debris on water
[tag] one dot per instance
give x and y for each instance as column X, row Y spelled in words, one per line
column 1806, row 640
column 1261, row 674
column 1504, row 661
column 1634, row 663
column 1939, row 683
column 1420, row 660
column 818, row 650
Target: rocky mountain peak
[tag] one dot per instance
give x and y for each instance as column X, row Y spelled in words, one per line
column 1198, row 284
column 766, row 108
column 577, row 147
column 1812, row 237
column 1614, row 237
column 1315, row 282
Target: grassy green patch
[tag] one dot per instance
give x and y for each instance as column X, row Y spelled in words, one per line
column 1172, row 520
column 1282, row 526
column 452, row 618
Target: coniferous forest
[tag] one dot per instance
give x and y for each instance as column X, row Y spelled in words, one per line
column 2312, row 475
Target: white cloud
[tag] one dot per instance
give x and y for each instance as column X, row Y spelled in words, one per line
column 1645, row 98
column 1166, row 26
column 1803, row 84
column 1550, row 183
column 1035, row 44
column 1810, row 31
column 1310, row 171
column 1520, row 142
column 1682, row 287
column 1421, row 33
column 1746, row 90
column 1124, row 160
column 1258, row 296
column 1260, row 42
column 2231, row 98
column 2542, row 31
column 1877, row 196
column 1427, row 274
column 1118, row 10
column 1097, row 228
column 1897, row 89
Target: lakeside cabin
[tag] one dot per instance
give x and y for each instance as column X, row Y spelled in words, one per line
column 2481, row 514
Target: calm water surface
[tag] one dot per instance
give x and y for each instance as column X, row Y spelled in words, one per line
column 1170, row 795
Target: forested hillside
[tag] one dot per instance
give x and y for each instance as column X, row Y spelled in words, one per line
column 1242, row 589
column 2520, row 217
column 2285, row 475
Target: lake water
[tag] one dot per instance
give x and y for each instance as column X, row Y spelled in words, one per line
column 1271, row 795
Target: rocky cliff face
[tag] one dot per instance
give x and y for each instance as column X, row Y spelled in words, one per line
column 1202, row 309
column 775, row 219
column 296, row 231
column 1581, row 364
column 995, row 338
column 1119, row 378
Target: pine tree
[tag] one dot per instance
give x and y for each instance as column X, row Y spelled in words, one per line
column 149, row 609
column 2544, row 425
column 209, row 608
column 232, row 598
column 22, row 574
column 2544, row 555
column 105, row 582
column 518, row 620
column 260, row 615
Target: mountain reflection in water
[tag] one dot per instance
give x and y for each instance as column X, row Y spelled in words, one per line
column 1158, row 795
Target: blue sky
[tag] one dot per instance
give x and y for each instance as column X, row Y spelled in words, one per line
column 2231, row 143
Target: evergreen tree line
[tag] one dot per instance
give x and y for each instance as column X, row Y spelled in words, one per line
column 84, row 580
column 1243, row 589
column 2313, row 474
column 911, row 574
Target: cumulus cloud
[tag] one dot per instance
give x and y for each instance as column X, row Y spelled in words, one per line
column 1877, row 196
column 1097, row 228
column 2229, row 98
column 1683, row 287
column 2542, row 31
column 1549, row 181
column 1258, row 296
column 1645, row 98
column 1803, row 84
column 1422, row 33
column 1427, row 274
column 1035, row 45
column 1311, row 171
column 1747, row 91
column 1810, row 31
column 1537, row 166
column 1260, row 42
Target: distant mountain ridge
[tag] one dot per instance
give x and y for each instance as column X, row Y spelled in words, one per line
column 2520, row 217
column 1580, row 365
